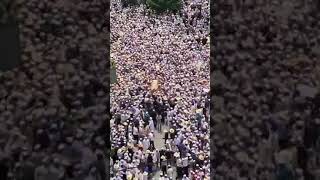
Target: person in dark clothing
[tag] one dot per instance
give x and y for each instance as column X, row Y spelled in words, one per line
column 152, row 147
column 153, row 114
column 150, row 163
column 198, row 40
column 171, row 103
column 124, row 176
column 179, row 172
column 163, row 165
column 204, row 41
column 166, row 136
column 172, row 135
column 179, row 169
column 117, row 120
column 114, row 155
column 162, row 152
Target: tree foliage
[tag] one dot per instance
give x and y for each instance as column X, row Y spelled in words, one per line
column 113, row 72
column 127, row 3
column 113, row 64
column 164, row 5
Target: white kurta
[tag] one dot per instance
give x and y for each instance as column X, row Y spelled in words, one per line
column 151, row 125
column 146, row 144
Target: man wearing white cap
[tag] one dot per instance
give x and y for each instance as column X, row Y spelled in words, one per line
column 146, row 143
column 161, row 176
column 145, row 176
column 163, row 164
column 179, row 168
column 170, row 171
column 151, row 125
column 185, row 177
column 185, row 165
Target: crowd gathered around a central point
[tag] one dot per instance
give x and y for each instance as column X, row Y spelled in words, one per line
column 172, row 49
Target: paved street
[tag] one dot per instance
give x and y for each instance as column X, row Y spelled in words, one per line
column 159, row 143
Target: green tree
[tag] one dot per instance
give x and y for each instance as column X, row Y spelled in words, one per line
column 127, row 3
column 113, row 73
column 164, row 5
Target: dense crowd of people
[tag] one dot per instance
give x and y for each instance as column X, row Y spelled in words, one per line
column 173, row 51
column 266, row 98
column 53, row 115
column 266, row 116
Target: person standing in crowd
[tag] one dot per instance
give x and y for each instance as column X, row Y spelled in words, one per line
column 163, row 164
column 159, row 122
column 179, row 168
column 185, row 166
column 166, row 136
column 170, row 171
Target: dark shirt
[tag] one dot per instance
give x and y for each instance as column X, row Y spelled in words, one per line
column 162, row 152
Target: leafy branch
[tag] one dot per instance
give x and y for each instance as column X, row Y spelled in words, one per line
column 164, row 5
